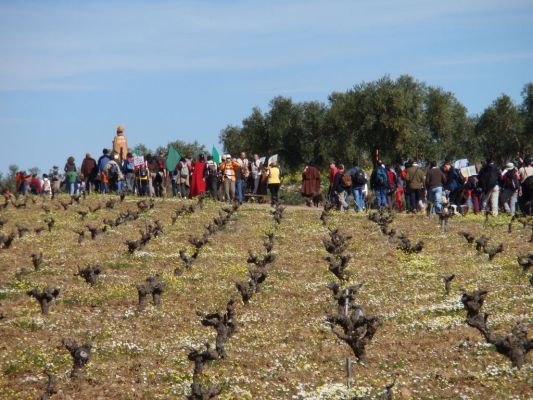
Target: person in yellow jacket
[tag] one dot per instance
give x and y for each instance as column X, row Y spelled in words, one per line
column 274, row 182
column 227, row 170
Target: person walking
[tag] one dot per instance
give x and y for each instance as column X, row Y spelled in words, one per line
column 256, row 171
column 227, row 169
column 102, row 162
column 274, row 182
column 526, row 186
column 245, row 171
column 211, row 176
column 414, row 179
column 310, row 181
column 198, row 177
column 510, row 185
column 332, row 173
column 342, row 183
column 71, row 175
column 489, row 178
column 183, row 173
column 380, row 182
column 88, row 172
column 128, row 170
column 239, row 182
column 435, row 181
column 358, row 183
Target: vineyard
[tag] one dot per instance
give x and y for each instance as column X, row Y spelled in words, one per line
column 109, row 297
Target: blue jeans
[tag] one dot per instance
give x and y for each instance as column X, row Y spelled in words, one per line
column 73, row 188
column 381, row 196
column 435, row 196
column 239, row 188
column 357, row 194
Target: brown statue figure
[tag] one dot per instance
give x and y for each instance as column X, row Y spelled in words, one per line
column 120, row 144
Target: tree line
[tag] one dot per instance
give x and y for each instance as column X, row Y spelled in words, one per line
column 400, row 119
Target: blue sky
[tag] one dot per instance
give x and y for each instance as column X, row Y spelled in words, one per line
column 70, row 71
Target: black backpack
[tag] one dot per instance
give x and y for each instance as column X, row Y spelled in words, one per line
column 113, row 171
column 212, row 169
column 359, row 178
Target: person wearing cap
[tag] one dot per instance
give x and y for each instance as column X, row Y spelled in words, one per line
column 128, row 170
column 380, row 182
column 227, row 169
column 510, row 185
column 414, row 179
column 88, row 172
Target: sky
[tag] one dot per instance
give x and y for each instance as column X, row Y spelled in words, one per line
column 71, row 71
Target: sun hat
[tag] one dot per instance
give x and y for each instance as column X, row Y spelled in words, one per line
column 509, row 166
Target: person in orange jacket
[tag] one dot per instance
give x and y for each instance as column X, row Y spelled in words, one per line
column 227, row 169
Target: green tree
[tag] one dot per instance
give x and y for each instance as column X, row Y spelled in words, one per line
column 500, row 129
column 527, row 116
column 141, row 150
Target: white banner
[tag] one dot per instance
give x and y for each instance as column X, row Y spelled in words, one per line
column 138, row 161
column 273, row 159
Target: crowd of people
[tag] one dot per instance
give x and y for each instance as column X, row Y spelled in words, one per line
column 407, row 186
column 412, row 188
column 231, row 179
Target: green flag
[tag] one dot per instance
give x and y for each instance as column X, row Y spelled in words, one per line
column 173, row 157
column 216, row 155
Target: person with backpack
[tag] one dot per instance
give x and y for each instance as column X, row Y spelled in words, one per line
column 142, row 174
column 102, row 162
column 454, row 183
column 358, row 183
column 113, row 174
column 342, row 185
column 182, row 173
column 526, row 186
column 510, row 185
column 128, row 170
column 211, row 176
column 489, row 178
column 380, row 183
column 35, row 185
column 473, row 191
